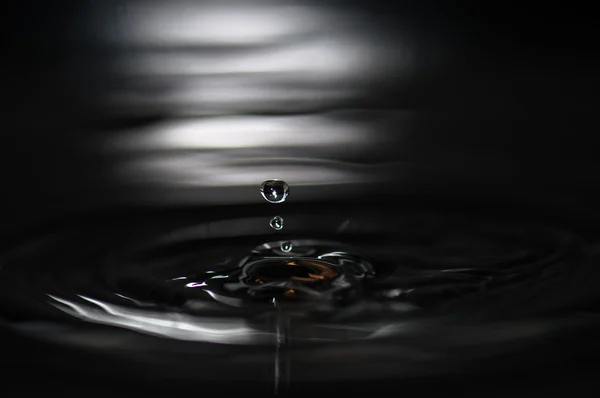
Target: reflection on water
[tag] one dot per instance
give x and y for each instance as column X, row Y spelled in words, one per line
column 214, row 57
column 217, row 160
column 248, row 90
column 286, row 246
column 416, row 285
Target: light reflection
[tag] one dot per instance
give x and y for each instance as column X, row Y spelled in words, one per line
column 225, row 299
column 204, row 171
column 237, row 151
column 213, row 59
column 245, row 132
column 328, row 59
column 136, row 302
column 203, row 23
column 208, row 97
column 235, row 331
column 172, row 325
column 220, row 73
column 195, row 284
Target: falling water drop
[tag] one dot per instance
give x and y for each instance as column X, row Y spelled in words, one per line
column 274, row 191
column 276, row 223
column 286, row 246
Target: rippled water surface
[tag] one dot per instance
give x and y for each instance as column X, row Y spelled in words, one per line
column 415, row 293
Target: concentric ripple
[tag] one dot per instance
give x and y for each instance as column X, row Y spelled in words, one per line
column 425, row 281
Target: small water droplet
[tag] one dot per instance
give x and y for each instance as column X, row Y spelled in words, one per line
column 275, row 191
column 286, row 246
column 276, row 223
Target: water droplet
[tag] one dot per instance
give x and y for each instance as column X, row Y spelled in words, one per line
column 276, row 223
column 274, row 191
column 286, row 246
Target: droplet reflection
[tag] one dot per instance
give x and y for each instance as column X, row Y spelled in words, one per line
column 286, row 246
column 275, row 191
column 277, row 223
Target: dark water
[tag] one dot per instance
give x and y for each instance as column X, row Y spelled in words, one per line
column 207, row 298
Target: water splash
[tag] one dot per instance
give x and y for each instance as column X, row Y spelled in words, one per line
column 406, row 295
